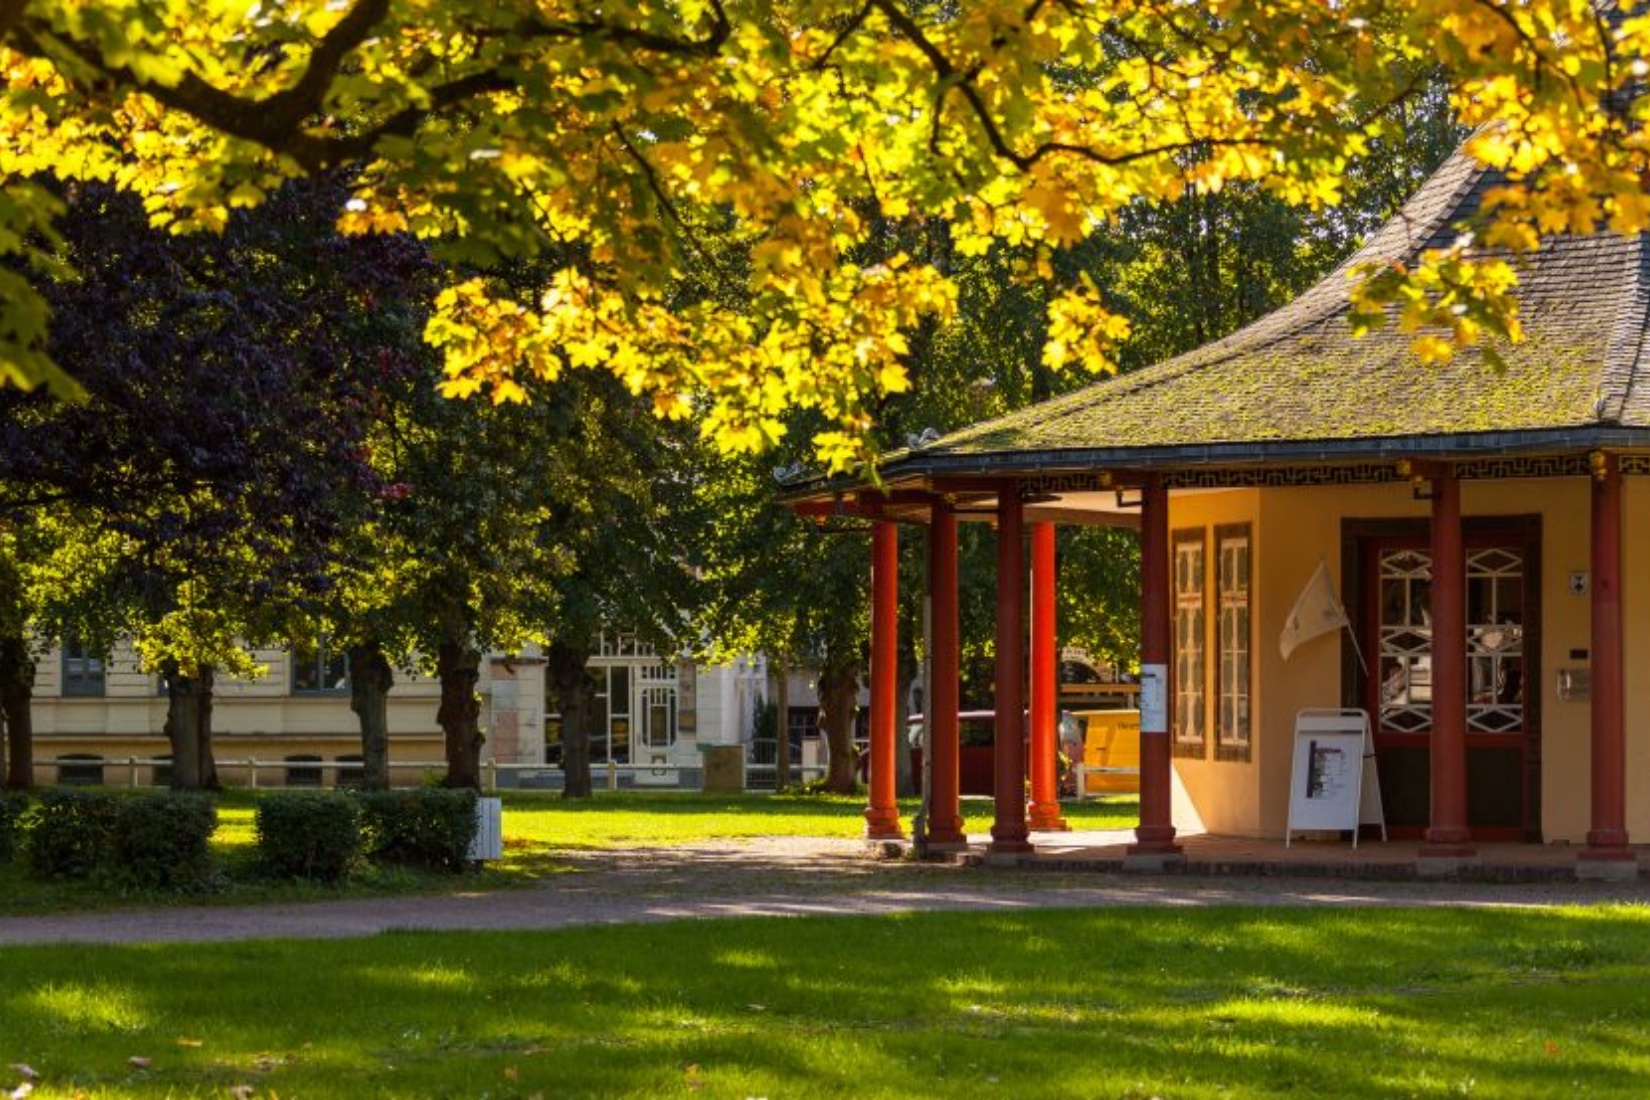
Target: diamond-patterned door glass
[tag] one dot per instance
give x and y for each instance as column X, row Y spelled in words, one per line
column 1495, row 641
column 1405, row 641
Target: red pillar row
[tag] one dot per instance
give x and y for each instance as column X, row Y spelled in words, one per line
column 945, row 821
column 882, row 813
column 1045, row 686
column 1607, row 839
column 1448, row 836
column 1154, row 836
column 1008, row 832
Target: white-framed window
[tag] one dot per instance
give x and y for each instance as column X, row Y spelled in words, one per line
column 1190, row 642
column 1233, row 632
column 318, row 669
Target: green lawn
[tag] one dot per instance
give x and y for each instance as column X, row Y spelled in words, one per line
column 537, row 827
column 629, row 818
column 1227, row 1002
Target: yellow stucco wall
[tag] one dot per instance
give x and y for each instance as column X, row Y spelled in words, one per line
column 1296, row 528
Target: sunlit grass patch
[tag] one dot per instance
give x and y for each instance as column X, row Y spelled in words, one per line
column 1063, row 1003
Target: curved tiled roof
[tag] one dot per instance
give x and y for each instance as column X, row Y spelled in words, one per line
column 1297, row 379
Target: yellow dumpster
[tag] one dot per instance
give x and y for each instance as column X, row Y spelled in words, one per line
column 1111, row 752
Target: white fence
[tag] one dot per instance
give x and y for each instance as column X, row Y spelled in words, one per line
column 603, row 776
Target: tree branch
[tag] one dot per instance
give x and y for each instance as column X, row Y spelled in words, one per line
column 669, row 207
column 277, row 121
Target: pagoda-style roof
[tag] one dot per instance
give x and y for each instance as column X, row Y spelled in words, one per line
column 1297, row 386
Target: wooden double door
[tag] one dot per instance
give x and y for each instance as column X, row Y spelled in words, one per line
column 1393, row 672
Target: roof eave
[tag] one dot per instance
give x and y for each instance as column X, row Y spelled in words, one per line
column 1256, row 454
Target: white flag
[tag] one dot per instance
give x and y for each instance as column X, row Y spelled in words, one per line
column 1317, row 611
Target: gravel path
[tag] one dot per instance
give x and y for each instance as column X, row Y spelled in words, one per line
column 769, row 877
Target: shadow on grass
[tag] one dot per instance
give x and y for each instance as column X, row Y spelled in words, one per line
column 1230, row 1002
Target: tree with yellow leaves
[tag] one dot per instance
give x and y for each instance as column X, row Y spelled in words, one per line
column 637, row 141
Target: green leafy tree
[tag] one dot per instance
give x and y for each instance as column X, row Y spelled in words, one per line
column 205, row 464
column 625, row 516
column 614, row 138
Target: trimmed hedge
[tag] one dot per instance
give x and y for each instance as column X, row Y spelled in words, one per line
column 159, row 841
column 427, row 827
column 72, row 833
column 12, row 807
column 311, row 835
column 162, row 841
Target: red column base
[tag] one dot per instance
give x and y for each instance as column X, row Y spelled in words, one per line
column 1605, row 855
column 947, row 834
column 1448, row 836
column 1607, row 840
column 1009, row 841
column 1436, row 849
column 1154, row 840
column 1045, row 818
column 882, row 824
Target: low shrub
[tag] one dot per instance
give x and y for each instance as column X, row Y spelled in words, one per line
column 71, row 833
column 312, row 835
column 427, row 827
column 162, row 841
column 12, row 807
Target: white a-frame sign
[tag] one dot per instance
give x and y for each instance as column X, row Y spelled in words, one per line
column 1333, row 784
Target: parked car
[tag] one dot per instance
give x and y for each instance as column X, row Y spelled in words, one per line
column 977, row 756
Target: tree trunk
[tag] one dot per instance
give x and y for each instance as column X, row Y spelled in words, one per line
column 838, row 684
column 565, row 666
column 189, row 729
column 370, row 680
column 203, row 730
column 16, row 698
column 782, row 742
column 459, row 667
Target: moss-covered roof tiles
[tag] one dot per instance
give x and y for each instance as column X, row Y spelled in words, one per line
column 1298, row 376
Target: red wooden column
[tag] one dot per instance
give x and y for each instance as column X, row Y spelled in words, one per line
column 1008, row 832
column 882, row 814
column 945, row 820
column 1045, row 687
column 1607, row 854
column 1447, row 837
column 1154, row 836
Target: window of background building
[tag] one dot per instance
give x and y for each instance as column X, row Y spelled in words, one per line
column 317, row 669
column 83, row 673
column 80, row 769
column 303, row 770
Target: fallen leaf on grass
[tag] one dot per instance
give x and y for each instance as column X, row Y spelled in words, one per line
column 185, row 1041
column 241, row 1092
column 512, row 1074
column 138, row 1061
column 20, row 1091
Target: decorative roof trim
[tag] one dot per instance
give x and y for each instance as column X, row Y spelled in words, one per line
column 1483, row 445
